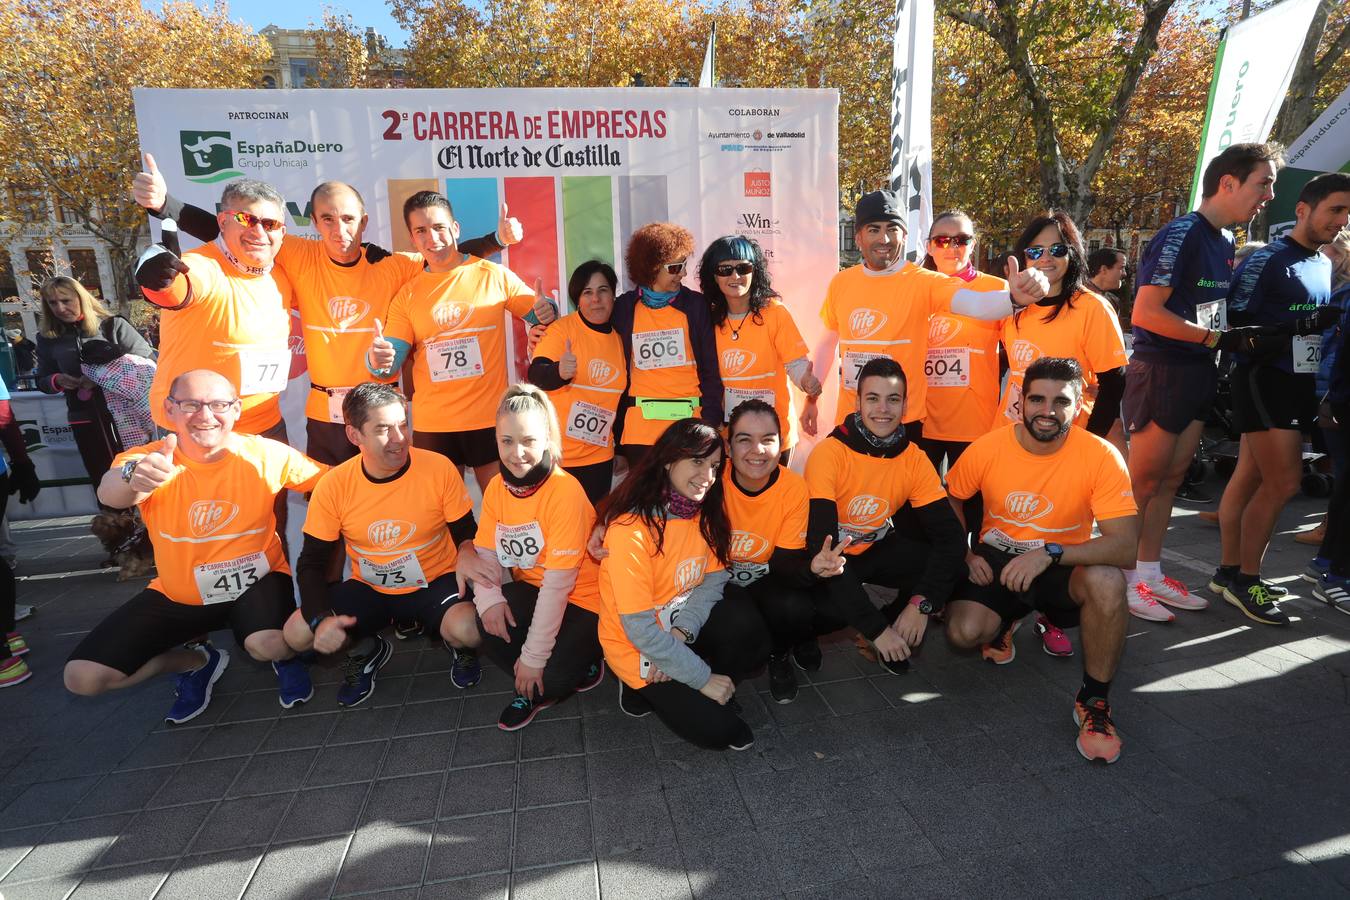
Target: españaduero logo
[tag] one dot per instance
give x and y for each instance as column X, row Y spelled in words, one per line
column 208, row 156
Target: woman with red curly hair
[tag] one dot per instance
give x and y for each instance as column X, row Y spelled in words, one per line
column 668, row 341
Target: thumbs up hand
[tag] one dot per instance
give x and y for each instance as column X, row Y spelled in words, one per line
column 567, row 366
column 381, row 350
column 544, row 310
column 156, row 468
column 509, row 230
column 1026, row 287
column 148, row 188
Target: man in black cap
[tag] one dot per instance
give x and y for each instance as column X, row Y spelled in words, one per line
column 882, row 307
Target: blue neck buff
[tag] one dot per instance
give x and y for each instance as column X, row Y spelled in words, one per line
column 656, row 299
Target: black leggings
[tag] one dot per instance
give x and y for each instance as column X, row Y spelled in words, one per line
column 374, row 610
column 575, row 650
column 789, row 612
column 734, row 642
column 842, row 601
column 595, row 479
column 1336, row 544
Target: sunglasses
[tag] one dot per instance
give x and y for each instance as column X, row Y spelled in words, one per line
column 726, row 270
column 249, row 220
column 1057, row 250
column 675, row 268
column 192, row 407
column 949, row 240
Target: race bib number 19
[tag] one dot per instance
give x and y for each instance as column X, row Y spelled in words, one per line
column 1212, row 315
column 454, row 358
column 224, row 581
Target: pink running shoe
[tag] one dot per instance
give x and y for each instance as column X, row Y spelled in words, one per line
column 1053, row 639
column 1176, row 594
column 1143, row 605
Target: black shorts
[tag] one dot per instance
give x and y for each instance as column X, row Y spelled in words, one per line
column 150, row 623
column 596, row 479
column 1049, row 592
column 1173, row 395
column 463, row 448
column 277, row 433
column 327, row 442
column 1265, row 397
column 375, row 610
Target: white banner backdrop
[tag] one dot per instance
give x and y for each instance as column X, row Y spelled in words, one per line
column 1255, row 62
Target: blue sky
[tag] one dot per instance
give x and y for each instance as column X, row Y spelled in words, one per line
column 259, row 13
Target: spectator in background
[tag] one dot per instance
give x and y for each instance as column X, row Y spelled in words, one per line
column 1106, row 272
column 25, row 356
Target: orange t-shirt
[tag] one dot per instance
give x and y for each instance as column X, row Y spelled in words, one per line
column 212, row 525
column 962, row 371
column 1030, row 498
column 546, row 530
column 752, row 357
column 455, row 323
column 775, row 517
column 237, row 325
column 587, row 406
column 662, row 366
column 634, row 579
column 396, row 533
column 1088, row 330
column 338, row 307
column 885, row 315
column 867, row 490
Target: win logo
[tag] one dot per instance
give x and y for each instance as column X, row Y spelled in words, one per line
column 208, row 156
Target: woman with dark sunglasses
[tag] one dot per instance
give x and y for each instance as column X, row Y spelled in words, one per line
column 1071, row 321
column 759, row 347
column 962, row 366
column 668, row 342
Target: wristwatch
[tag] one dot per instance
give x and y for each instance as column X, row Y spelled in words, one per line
column 314, row 622
column 923, row 604
column 129, row 469
column 1055, row 552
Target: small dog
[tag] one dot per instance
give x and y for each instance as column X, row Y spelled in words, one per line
column 127, row 544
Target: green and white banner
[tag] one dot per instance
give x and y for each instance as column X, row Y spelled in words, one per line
column 1252, row 70
column 1324, row 147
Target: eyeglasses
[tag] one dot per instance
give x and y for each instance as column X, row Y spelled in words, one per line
column 947, row 240
column 726, row 270
column 249, row 220
column 1057, row 250
column 675, row 268
column 192, row 407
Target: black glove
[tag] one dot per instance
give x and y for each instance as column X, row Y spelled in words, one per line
column 24, row 481
column 158, row 267
column 1317, row 322
column 1253, row 339
column 375, row 253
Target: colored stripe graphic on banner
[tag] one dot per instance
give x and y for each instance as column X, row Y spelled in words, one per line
column 642, row 199
column 400, row 189
column 533, row 202
column 588, row 219
column 476, row 206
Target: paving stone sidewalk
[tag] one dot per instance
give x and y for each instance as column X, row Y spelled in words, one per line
column 958, row 780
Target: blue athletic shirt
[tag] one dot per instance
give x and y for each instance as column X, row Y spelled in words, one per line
column 4, row 395
column 1278, row 283
column 1195, row 260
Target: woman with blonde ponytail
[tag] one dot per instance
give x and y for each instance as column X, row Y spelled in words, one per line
column 536, row 592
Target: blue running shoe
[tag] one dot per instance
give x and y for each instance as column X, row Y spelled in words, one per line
column 358, row 678
column 1317, row 567
column 465, row 669
column 194, row 688
column 293, row 684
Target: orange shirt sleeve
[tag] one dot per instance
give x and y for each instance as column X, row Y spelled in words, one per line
column 551, row 345
column 629, row 567
column 924, row 485
column 941, row 290
column 1103, row 343
column 519, row 296
column 787, row 338
column 792, row 533
column 400, row 323
column 567, row 524
column 964, row 478
column 821, row 470
column 1112, row 493
column 321, row 518
column 299, row 472
column 828, row 315
column 457, row 500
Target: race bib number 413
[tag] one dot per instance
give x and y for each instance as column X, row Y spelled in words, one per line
column 225, row 581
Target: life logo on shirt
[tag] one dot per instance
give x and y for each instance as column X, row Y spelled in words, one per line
column 688, row 574
column 1025, row 506
column 868, row 509
column 866, row 322
column 206, row 517
column 735, row 361
column 747, row 545
column 1024, row 353
column 601, row 373
column 449, row 315
column 941, row 330
column 387, row 534
column 347, row 311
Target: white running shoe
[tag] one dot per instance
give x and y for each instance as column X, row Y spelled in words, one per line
column 1143, row 605
column 1175, row 594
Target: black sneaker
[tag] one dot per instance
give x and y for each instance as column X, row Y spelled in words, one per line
column 1257, row 604
column 520, row 713
column 807, row 656
column 594, row 675
column 1192, row 494
column 782, row 679
column 465, row 669
column 1221, row 580
column 895, row 667
column 745, row 745
column 633, row 703
column 406, row 631
column 358, row 673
